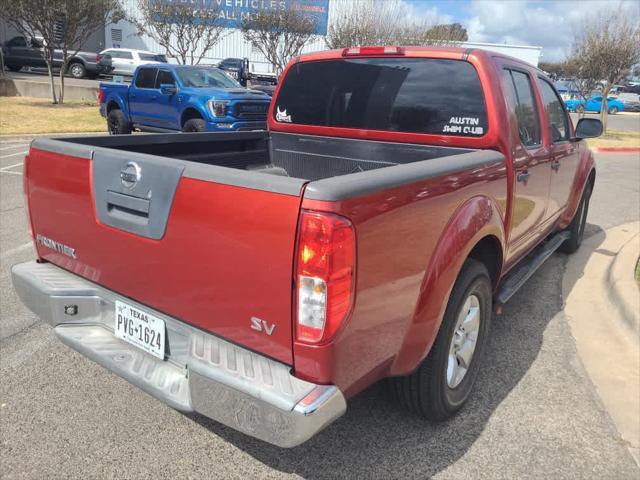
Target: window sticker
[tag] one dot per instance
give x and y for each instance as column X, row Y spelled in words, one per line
column 281, row 115
column 464, row 125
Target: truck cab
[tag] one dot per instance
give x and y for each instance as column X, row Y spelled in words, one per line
column 164, row 97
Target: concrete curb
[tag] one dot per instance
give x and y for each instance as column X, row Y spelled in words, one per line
column 622, row 286
column 607, row 344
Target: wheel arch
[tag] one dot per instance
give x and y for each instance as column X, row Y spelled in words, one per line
column 189, row 113
column 76, row 59
column 476, row 231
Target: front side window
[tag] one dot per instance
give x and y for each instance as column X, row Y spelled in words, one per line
column 519, row 88
column 198, row 77
column 164, row 77
column 556, row 116
column 413, row 95
column 146, row 78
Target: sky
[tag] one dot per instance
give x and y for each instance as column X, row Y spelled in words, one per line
column 549, row 24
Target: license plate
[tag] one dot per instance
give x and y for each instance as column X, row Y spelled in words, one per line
column 139, row 328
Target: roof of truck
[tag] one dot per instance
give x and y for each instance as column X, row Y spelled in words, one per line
column 410, row 51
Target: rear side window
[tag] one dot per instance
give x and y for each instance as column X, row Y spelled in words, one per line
column 17, row 42
column 146, row 78
column 414, row 95
column 150, row 57
column 556, row 116
column 119, row 54
column 518, row 85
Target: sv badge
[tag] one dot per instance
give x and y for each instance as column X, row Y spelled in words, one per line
column 262, row 325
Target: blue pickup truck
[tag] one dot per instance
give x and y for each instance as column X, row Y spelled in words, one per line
column 184, row 98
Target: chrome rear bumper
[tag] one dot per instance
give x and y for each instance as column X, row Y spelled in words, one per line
column 201, row 372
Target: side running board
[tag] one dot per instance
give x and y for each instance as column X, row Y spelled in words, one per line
column 519, row 275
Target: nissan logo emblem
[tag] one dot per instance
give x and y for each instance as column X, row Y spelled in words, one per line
column 130, row 175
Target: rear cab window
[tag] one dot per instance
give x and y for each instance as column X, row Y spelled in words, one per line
column 412, row 95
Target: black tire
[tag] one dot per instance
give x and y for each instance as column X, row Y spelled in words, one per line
column 195, row 125
column 427, row 391
column 613, row 110
column 14, row 68
column 576, row 227
column 117, row 123
column 77, row 70
column 580, row 109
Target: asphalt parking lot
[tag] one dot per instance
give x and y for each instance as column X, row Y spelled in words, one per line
column 534, row 413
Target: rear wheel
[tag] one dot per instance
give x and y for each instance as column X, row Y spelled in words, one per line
column 14, row 68
column 442, row 383
column 613, row 110
column 77, row 70
column 576, row 227
column 117, row 123
column 195, row 125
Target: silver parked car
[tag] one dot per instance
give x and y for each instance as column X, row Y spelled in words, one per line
column 126, row 60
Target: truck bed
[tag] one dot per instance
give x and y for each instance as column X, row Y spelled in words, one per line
column 301, row 157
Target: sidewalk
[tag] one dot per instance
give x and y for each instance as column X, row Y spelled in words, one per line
column 602, row 306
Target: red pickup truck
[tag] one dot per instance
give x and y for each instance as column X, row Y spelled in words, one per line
column 262, row 278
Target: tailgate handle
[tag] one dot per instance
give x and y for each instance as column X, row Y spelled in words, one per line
column 128, row 206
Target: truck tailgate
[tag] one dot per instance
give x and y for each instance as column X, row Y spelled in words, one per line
column 177, row 237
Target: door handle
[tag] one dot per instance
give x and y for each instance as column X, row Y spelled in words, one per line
column 555, row 165
column 523, row 177
column 153, row 97
column 132, row 95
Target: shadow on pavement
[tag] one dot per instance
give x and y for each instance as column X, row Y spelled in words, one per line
column 376, row 439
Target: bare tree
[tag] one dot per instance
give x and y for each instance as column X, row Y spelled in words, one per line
column 186, row 30
column 388, row 22
column 365, row 22
column 608, row 47
column 63, row 24
column 555, row 70
column 278, row 35
column 80, row 20
column 34, row 18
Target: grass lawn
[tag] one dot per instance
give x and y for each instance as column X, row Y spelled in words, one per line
column 614, row 138
column 25, row 115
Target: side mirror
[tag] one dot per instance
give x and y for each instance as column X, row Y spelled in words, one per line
column 588, row 128
column 168, row 89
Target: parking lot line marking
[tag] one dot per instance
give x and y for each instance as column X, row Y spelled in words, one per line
column 11, row 173
column 14, row 154
column 19, row 248
column 18, row 145
column 10, row 166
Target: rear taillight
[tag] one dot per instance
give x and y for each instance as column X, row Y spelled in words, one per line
column 325, row 275
column 100, row 96
column 364, row 51
column 98, row 58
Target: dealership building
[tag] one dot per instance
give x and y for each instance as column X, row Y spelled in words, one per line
column 124, row 34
